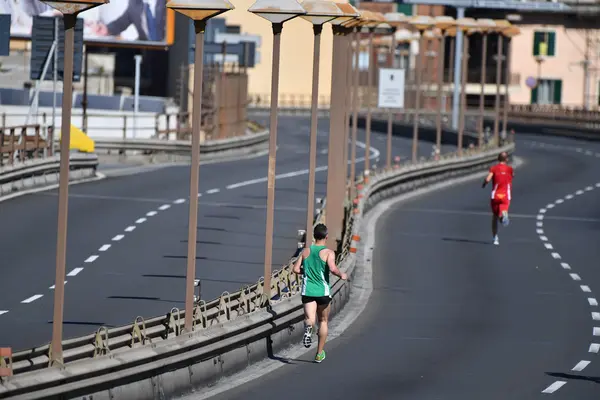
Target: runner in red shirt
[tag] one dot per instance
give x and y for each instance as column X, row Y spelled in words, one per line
column 502, row 175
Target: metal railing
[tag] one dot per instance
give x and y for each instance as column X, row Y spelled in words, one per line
column 20, row 143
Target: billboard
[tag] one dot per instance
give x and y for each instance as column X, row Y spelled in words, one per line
column 122, row 22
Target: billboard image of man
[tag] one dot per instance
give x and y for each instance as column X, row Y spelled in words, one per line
column 147, row 16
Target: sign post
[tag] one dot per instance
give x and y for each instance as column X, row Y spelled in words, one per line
column 391, row 88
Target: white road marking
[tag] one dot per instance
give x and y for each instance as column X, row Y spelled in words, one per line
column 588, row 153
column 569, row 196
column 543, row 211
column 596, row 316
column 589, row 188
column 104, row 248
column 579, row 149
column 32, row 298
column 565, row 265
column 540, row 231
column 213, row 191
column 581, row 365
column 164, row 207
column 594, row 348
column 592, row 301
column 554, row 387
column 540, row 217
column 559, row 201
column 598, row 185
column 556, row 256
column 596, row 331
column 54, row 286
column 539, row 224
column 140, row 221
column 550, row 206
column 548, row 246
column 118, row 237
column 91, row 259
column 199, row 194
column 130, row 229
column 151, row 213
column 3, row 312
column 575, row 277
column 544, row 238
column 579, row 192
column 585, row 288
column 75, row 272
column 179, row 201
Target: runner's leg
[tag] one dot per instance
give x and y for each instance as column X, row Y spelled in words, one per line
column 323, row 315
column 310, row 311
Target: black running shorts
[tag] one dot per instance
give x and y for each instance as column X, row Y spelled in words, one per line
column 321, row 301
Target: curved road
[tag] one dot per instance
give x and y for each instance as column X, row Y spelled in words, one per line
column 453, row 317
column 127, row 239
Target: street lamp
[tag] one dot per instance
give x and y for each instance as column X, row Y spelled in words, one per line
column 509, row 33
column 395, row 20
column 318, row 12
column 485, row 27
column 336, row 171
column 502, row 25
column 276, row 12
column 443, row 23
column 199, row 11
column 70, row 9
column 420, row 23
column 468, row 26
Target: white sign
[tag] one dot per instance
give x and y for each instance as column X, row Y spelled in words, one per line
column 391, row 88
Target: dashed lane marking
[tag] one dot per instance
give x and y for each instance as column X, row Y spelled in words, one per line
column 91, row 259
column 554, row 387
column 130, row 229
column 32, row 298
column 104, row 247
column 118, row 237
column 75, row 271
column 581, row 365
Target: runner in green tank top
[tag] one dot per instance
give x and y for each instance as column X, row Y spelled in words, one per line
column 318, row 262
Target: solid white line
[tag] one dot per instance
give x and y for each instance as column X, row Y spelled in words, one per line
column 594, row 348
column 585, row 288
column 596, row 316
column 548, row 246
column 3, row 312
column 118, row 237
column 54, row 286
column 539, row 231
column 565, row 265
column 559, row 201
column 592, row 301
column 91, row 259
column 579, row 192
column 543, row 238
column 32, row 298
column 130, row 229
column 569, row 196
column 104, row 248
column 213, row 191
column 581, row 365
column 554, row 387
column 556, row 256
column 164, row 207
column 179, row 201
column 151, row 213
column 140, row 221
column 575, row 277
column 75, row 272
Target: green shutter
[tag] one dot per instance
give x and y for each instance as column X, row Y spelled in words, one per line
column 551, row 43
column 534, row 96
column 406, row 9
column 557, row 91
column 538, row 37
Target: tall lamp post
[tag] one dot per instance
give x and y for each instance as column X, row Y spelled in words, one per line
column 336, row 176
column 277, row 12
column 395, row 20
column 318, row 12
column 199, row 11
column 485, row 27
column 70, row 9
column 421, row 23
column 468, row 27
column 443, row 23
column 509, row 33
column 502, row 25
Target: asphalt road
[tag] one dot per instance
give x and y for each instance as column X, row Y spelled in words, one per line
column 127, row 237
column 453, row 317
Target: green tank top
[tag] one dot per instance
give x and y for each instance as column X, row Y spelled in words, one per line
column 316, row 274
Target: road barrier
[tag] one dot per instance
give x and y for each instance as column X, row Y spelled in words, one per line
column 156, row 359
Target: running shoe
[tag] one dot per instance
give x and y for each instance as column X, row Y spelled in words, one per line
column 496, row 241
column 505, row 220
column 307, row 339
column 320, row 357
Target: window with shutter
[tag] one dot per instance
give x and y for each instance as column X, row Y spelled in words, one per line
column 534, row 96
column 551, row 43
column 538, row 37
column 557, row 91
column 546, row 37
column 406, row 9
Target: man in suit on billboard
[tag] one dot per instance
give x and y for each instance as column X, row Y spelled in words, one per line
column 148, row 17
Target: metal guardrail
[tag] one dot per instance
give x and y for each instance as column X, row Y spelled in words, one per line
column 224, row 329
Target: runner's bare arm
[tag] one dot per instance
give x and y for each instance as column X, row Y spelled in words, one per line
column 487, row 179
column 332, row 267
column 298, row 263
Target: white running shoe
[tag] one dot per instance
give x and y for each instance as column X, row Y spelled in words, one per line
column 496, row 241
column 307, row 339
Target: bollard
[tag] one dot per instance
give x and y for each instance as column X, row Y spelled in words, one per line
column 366, row 176
column 396, row 162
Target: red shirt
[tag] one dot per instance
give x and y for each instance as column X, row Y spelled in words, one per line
column 502, row 181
